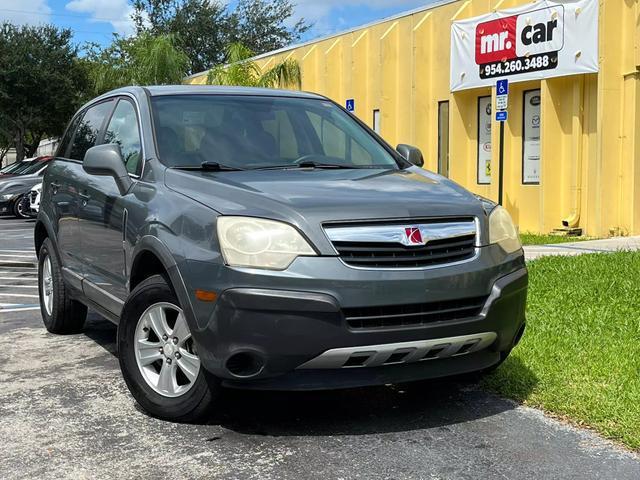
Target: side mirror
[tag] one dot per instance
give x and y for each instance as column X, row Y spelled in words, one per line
column 106, row 160
column 411, row 154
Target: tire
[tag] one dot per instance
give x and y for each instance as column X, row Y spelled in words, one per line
column 60, row 313
column 19, row 210
column 187, row 393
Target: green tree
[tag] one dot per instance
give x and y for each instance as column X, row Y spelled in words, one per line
column 141, row 60
column 202, row 28
column 242, row 71
column 261, row 25
column 41, row 84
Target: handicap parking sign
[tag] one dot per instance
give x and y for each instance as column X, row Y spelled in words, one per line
column 502, row 87
column 351, row 105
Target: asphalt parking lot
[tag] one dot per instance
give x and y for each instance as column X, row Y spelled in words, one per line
column 66, row 413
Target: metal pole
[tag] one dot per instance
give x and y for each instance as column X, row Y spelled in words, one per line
column 501, row 164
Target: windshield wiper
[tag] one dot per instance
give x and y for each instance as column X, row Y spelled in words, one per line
column 308, row 164
column 211, row 167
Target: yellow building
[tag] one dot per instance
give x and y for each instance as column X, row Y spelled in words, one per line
column 397, row 72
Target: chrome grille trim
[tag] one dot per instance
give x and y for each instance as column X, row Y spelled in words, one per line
column 399, row 353
column 386, row 233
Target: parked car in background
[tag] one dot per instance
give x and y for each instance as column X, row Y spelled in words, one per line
column 15, row 188
column 34, row 199
column 264, row 239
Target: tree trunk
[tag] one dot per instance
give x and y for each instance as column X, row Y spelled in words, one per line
column 19, row 147
column 32, row 148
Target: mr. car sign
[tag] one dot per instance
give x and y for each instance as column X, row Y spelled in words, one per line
column 540, row 40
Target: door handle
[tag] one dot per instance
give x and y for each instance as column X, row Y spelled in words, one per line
column 85, row 198
column 55, row 187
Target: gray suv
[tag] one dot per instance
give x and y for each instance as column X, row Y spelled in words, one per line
column 265, row 239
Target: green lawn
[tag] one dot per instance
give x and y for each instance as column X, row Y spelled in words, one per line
column 580, row 356
column 536, row 239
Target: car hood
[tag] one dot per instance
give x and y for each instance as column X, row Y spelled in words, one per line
column 18, row 183
column 307, row 198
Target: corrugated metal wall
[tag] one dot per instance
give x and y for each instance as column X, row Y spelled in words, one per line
column 590, row 145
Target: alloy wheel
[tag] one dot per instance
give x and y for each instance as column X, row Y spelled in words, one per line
column 164, row 350
column 47, row 285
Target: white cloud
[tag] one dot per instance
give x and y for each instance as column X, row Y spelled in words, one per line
column 324, row 13
column 115, row 12
column 22, row 11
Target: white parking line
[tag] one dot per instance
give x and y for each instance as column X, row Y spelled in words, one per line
column 18, row 286
column 19, row 309
column 11, row 272
column 18, row 255
column 18, row 295
column 18, row 278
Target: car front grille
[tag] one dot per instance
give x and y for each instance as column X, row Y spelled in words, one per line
column 398, row 316
column 384, row 255
column 398, row 244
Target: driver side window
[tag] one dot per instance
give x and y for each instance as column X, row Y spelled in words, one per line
column 123, row 131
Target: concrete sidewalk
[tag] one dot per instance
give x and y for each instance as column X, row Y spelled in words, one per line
column 578, row 248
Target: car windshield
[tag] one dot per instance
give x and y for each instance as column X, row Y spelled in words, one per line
column 256, row 132
column 33, row 168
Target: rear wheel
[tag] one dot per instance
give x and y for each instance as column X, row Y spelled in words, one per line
column 158, row 357
column 60, row 313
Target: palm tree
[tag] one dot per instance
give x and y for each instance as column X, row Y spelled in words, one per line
column 141, row 60
column 244, row 72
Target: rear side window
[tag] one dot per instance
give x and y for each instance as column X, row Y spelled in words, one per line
column 123, row 131
column 63, row 148
column 88, row 129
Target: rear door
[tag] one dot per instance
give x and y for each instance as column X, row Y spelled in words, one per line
column 103, row 214
column 64, row 178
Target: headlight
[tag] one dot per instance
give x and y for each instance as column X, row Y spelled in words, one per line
column 502, row 231
column 260, row 243
column 7, row 196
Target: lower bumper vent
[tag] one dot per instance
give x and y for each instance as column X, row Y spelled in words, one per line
column 413, row 315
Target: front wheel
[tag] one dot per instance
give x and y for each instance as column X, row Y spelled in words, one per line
column 158, row 357
column 21, row 208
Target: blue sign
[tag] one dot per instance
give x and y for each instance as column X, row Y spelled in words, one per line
column 502, row 87
column 501, row 116
column 351, row 105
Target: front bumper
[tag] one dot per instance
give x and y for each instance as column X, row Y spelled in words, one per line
column 6, row 207
column 286, row 328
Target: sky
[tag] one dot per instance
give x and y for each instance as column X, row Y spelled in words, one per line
column 96, row 20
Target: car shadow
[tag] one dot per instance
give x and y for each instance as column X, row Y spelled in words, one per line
column 357, row 411
column 101, row 331
column 363, row 411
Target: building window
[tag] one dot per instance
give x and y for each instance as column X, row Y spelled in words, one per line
column 443, row 138
column 531, row 137
column 376, row 121
column 484, row 140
